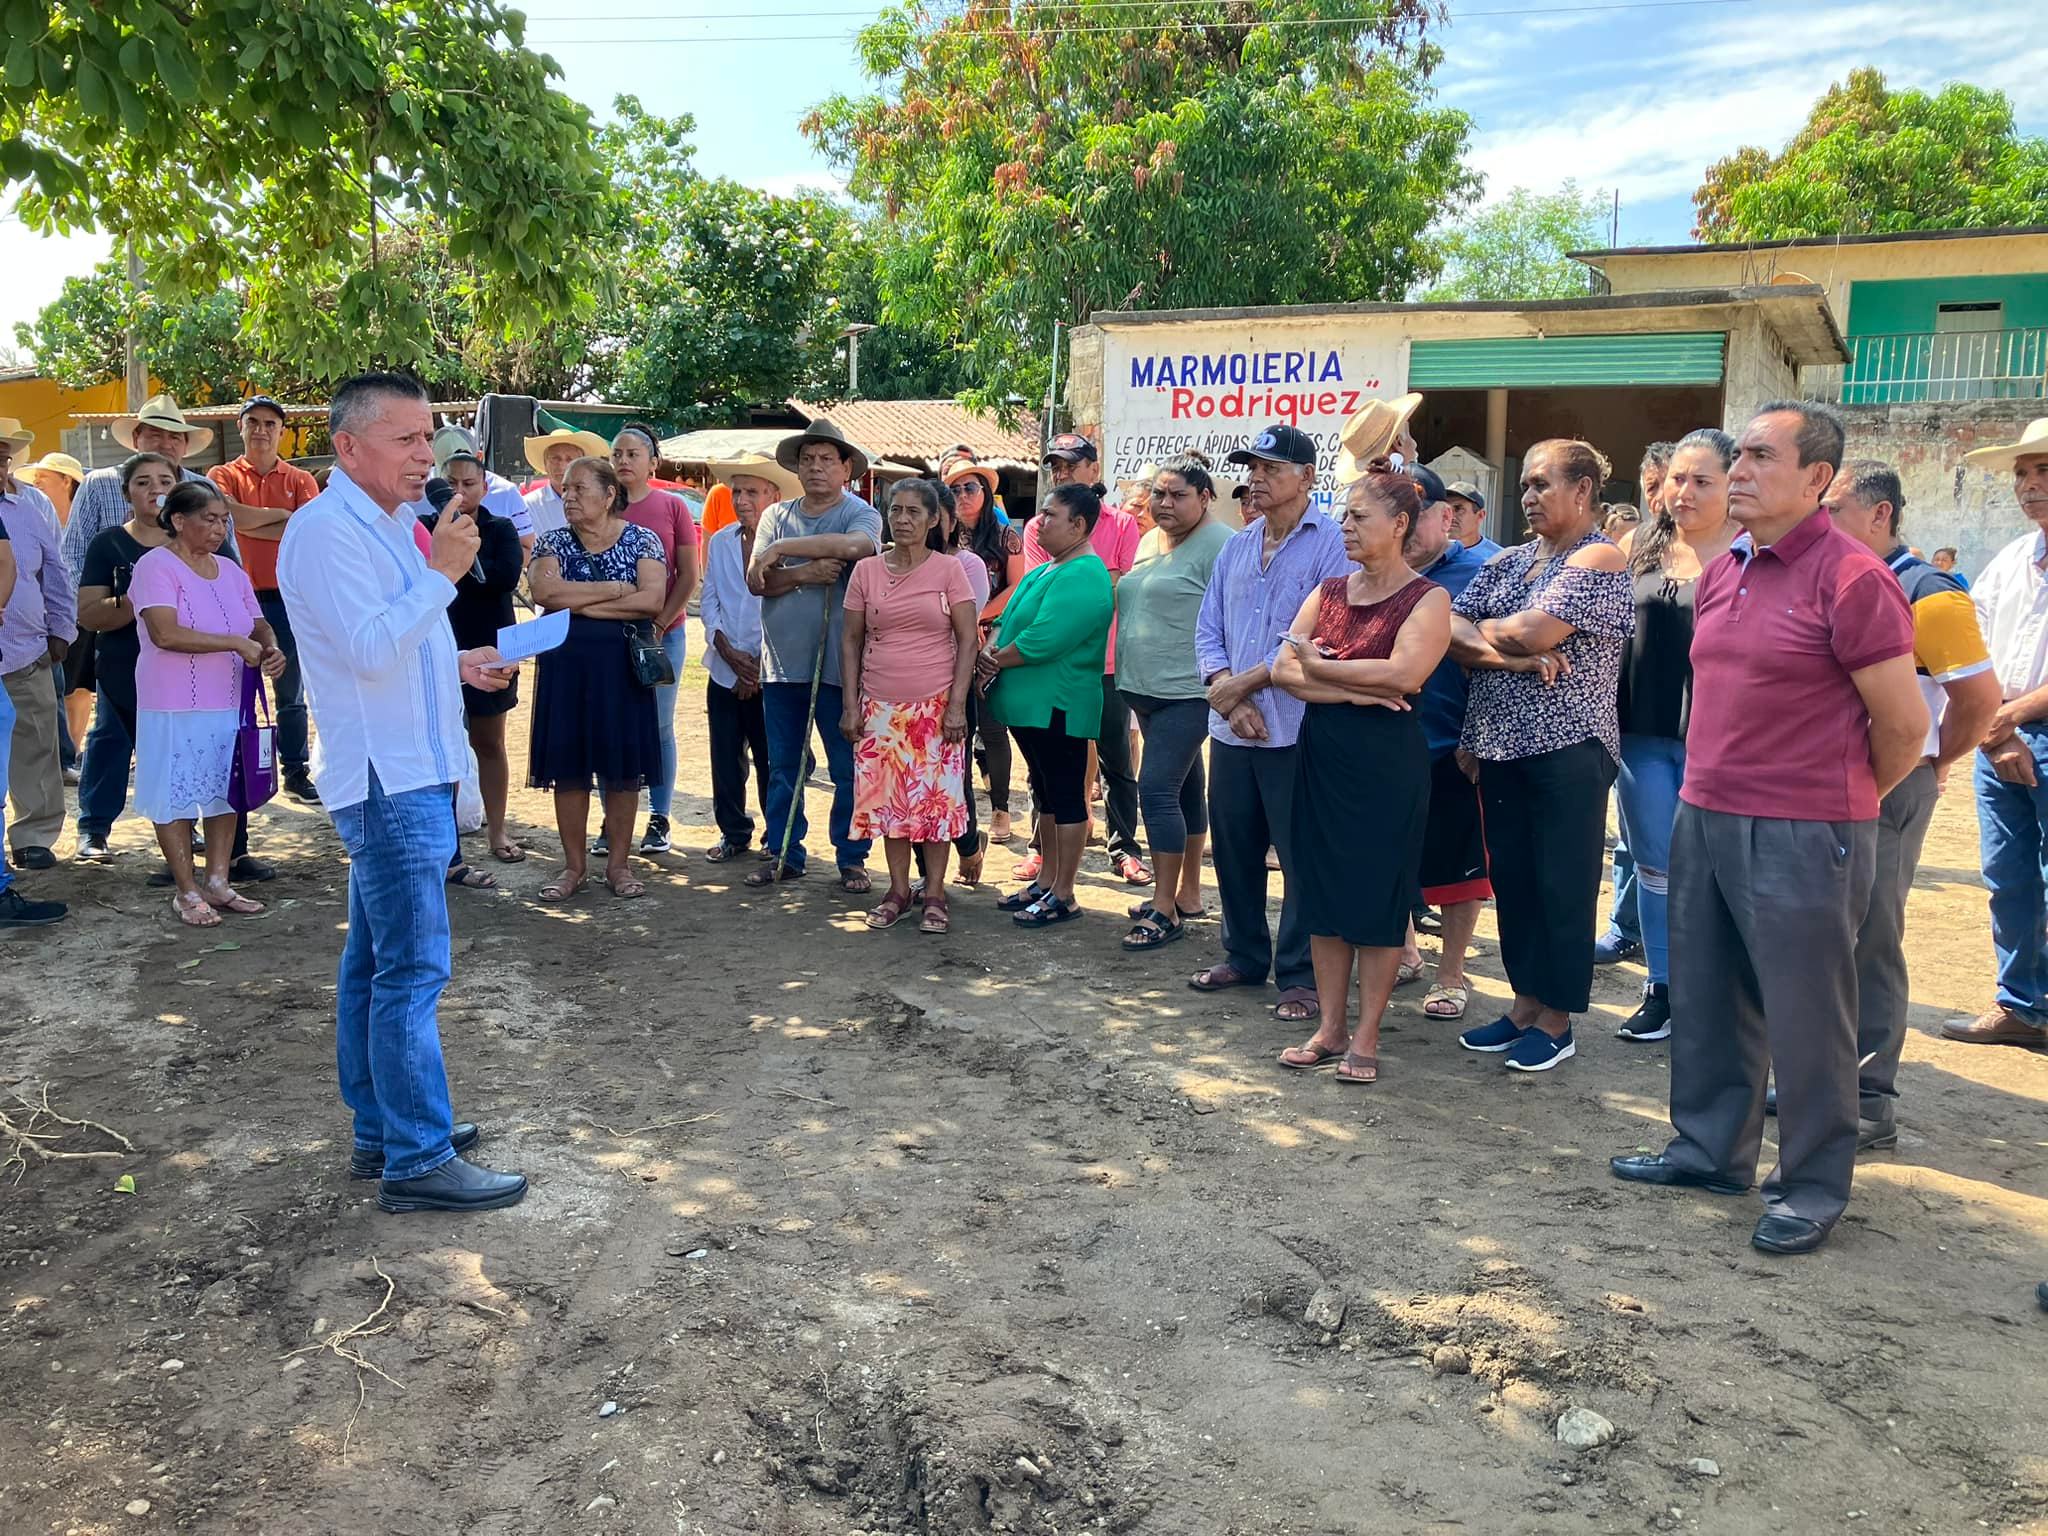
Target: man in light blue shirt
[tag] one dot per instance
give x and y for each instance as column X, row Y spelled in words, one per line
column 383, row 678
column 1262, row 577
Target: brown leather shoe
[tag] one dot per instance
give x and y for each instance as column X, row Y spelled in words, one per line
column 1995, row 1026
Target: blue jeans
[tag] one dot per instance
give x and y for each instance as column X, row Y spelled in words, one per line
column 1652, row 768
column 288, row 690
column 103, row 776
column 1622, row 921
column 6, row 740
column 2013, row 846
column 789, row 730
column 394, row 965
column 661, row 793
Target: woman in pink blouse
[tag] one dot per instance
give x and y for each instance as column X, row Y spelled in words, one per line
column 907, row 658
column 199, row 627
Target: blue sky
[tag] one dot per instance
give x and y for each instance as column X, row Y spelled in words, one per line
column 1636, row 97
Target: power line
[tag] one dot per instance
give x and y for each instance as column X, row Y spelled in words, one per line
column 1075, row 31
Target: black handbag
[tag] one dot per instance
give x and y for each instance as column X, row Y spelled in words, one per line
column 650, row 663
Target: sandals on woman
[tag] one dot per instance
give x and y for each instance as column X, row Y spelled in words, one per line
column 1136, row 911
column 938, row 918
column 1298, row 1005
column 1046, row 911
column 722, row 850
column 509, row 852
column 1018, row 901
column 627, row 887
column 766, row 874
column 1360, row 1071
column 194, row 911
column 562, row 887
column 224, row 898
column 472, row 879
column 1442, row 1002
column 854, row 880
column 1406, row 975
column 1312, row 1057
column 888, row 911
column 1151, row 931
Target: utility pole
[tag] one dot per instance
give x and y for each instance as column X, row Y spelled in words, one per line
column 138, row 370
column 852, row 335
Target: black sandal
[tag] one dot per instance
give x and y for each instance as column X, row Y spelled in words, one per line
column 472, row 879
column 1017, row 901
column 722, row 850
column 765, row 875
column 1151, row 931
column 1046, row 912
column 1138, row 911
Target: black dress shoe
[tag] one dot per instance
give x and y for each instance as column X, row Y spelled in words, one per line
column 370, row 1165
column 34, row 858
column 454, row 1186
column 1788, row 1234
column 2041, row 1295
column 252, row 870
column 1770, row 1101
column 1659, row 1170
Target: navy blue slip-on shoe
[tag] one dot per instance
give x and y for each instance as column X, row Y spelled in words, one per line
column 1538, row 1052
column 1500, row 1035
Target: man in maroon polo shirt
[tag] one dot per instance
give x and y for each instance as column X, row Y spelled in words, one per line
column 1805, row 712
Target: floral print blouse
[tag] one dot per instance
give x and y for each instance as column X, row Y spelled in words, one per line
column 1511, row 715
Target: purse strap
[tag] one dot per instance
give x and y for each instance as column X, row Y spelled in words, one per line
column 254, row 692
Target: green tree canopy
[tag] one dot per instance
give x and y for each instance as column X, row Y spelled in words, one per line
column 1173, row 153
column 281, row 147
column 1871, row 160
column 1515, row 249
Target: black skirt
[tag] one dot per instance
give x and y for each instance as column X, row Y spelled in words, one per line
column 591, row 720
column 1361, row 806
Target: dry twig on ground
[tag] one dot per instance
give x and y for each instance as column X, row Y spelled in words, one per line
column 339, row 1343
column 25, row 1136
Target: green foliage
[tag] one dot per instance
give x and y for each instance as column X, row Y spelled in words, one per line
column 1184, row 153
column 282, row 147
column 1871, row 160
column 1515, row 249
column 899, row 360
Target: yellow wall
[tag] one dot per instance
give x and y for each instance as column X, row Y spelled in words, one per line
column 1834, row 267
column 45, row 407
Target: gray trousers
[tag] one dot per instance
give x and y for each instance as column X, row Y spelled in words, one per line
column 35, row 776
column 1251, row 809
column 1764, row 917
column 1881, row 1000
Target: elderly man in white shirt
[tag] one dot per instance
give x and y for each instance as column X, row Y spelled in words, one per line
column 2012, row 765
column 551, row 453
column 731, row 615
column 383, row 678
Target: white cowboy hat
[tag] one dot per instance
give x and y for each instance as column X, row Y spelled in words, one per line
column 1371, row 433
column 160, row 411
column 57, row 464
column 2033, row 442
column 12, row 430
column 757, row 466
column 554, row 431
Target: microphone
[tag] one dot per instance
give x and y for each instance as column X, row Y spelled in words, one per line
column 439, row 494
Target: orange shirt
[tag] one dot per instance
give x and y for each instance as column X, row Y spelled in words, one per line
column 287, row 488
column 718, row 509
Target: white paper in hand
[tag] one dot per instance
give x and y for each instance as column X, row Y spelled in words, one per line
column 516, row 642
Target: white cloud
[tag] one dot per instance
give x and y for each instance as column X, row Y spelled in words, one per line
column 1712, row 85
column 36, row 268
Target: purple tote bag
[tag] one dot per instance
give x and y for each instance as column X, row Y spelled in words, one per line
column 252, row 779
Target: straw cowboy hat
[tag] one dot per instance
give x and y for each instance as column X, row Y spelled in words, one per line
column 966, row 469
column 759, row 467
column 554, row 430
column 1370, row 434
column 2033, row 442
column 12, row 430
column 160, row 411
column 823, row 430
column 57, row 464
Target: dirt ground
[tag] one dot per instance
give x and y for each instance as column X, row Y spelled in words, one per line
column 834, row 1231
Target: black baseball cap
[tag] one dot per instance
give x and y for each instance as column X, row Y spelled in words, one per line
column 1071, row 445
column 1278, row 444
column 260, row 402
column 1430, row 483
column 1466, row 490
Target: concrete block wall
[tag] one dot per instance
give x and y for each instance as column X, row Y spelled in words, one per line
column 1947, row 502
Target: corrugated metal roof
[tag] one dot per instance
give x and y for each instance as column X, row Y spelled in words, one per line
column 723, row 443
column 1531, row 362
column 921, row 430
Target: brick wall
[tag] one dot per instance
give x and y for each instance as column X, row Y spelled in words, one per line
column 1947, row 502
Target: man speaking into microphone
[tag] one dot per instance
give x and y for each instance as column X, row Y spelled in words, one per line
column 384, row 681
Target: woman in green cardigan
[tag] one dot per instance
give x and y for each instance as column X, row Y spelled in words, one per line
column 1043, row 674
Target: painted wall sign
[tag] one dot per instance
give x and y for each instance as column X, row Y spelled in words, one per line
column 1213, row 385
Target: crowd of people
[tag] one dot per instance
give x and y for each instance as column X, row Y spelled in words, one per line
column 1359, row 692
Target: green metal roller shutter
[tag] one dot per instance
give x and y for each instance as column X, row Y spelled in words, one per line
column 1529, row 362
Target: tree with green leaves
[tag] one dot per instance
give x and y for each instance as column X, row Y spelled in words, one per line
column 1515, row 248
column 287, row 148
column 1871, row 160
column 1035, row 163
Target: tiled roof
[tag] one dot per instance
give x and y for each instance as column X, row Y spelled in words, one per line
column 923, row 429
